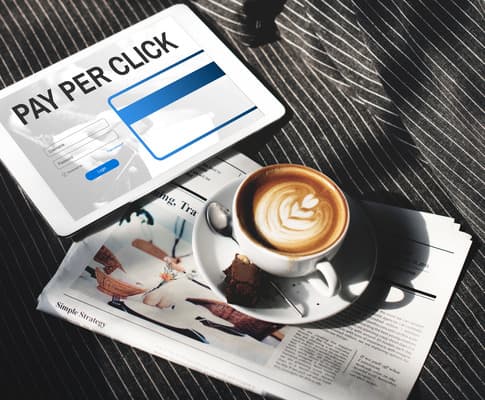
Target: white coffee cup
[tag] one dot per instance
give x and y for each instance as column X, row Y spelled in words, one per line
column 290, row 220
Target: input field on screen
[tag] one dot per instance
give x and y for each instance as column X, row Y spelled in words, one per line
column 73, row 142
column 100, row 141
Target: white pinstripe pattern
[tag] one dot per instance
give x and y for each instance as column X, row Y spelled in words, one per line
column 113, row 14
column 326, row 17
column 430, row 390
column 437, row 113
column 452, row 380
column 52, row 25
column 325, row 65
column 339, row 38
column 442, row 163
column 99, row 370
column 61, row 21
column 462, row 320
column 88, row 372
column 269, row 76
column 123, row 356
column 72, row 23
column 296, row 81
column 478, row 304
column 475, row 279
column 197, row 384
column 456, row 371
column 230, row 390
column 466, row 15
column 417, row 176
column 41, row 45
column 465, row 360
column 84, row 9
column 225, row 8
column 220, row 17
column 367, row 102
column 421, row 56
column 438, row 383
column 349, row 72
column 445, row 120
column 181, row 381
column 162, row 374
column 211, row 382
column 436, row 142
column 449, row 61
column 118, row 11
column 371, row 131
column 85, row 26
column 350, row 69
column 301, row 30
column 309, row 131
column 470, row 35
column 346, row 7
column 350, row 137
column 14, row 39
column 116, row 369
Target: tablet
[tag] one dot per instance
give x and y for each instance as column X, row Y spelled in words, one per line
column 115, row 121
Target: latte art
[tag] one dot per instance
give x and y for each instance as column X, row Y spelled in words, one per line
column 292, row 216
column 291, row 210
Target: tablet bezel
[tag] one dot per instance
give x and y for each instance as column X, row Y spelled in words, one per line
column 40, row 192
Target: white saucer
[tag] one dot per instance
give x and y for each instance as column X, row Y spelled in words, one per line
column 355, row 262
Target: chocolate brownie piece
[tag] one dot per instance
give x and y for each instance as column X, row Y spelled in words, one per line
column 243, row 282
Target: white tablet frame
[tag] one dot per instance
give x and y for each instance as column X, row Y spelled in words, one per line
column 45, row 199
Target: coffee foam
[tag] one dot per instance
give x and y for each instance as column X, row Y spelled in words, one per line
column 297, row 211
column 291, row 216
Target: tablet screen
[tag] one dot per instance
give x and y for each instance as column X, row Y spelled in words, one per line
column 125, row 111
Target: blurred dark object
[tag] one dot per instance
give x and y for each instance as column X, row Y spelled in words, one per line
column 243, row 323
column 259, row 21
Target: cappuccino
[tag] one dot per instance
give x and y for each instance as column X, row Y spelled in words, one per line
column 292, row 209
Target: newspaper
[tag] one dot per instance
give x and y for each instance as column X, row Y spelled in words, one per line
column 137, row 282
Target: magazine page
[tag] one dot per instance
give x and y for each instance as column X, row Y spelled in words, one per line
column 377, row 347
column 138, row 282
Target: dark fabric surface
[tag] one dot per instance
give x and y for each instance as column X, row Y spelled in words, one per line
column 384, row 96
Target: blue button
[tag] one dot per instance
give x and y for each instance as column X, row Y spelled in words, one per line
column 102, row 169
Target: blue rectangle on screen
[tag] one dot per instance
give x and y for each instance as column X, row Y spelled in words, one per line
column 170, row 93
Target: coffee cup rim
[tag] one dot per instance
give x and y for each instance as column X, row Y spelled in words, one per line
column 288, row 255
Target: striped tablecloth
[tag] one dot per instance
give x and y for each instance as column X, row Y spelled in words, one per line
column 385, row 96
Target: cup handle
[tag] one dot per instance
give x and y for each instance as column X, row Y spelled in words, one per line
column 330, row 285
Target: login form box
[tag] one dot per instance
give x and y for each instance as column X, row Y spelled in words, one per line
column 181, row 104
